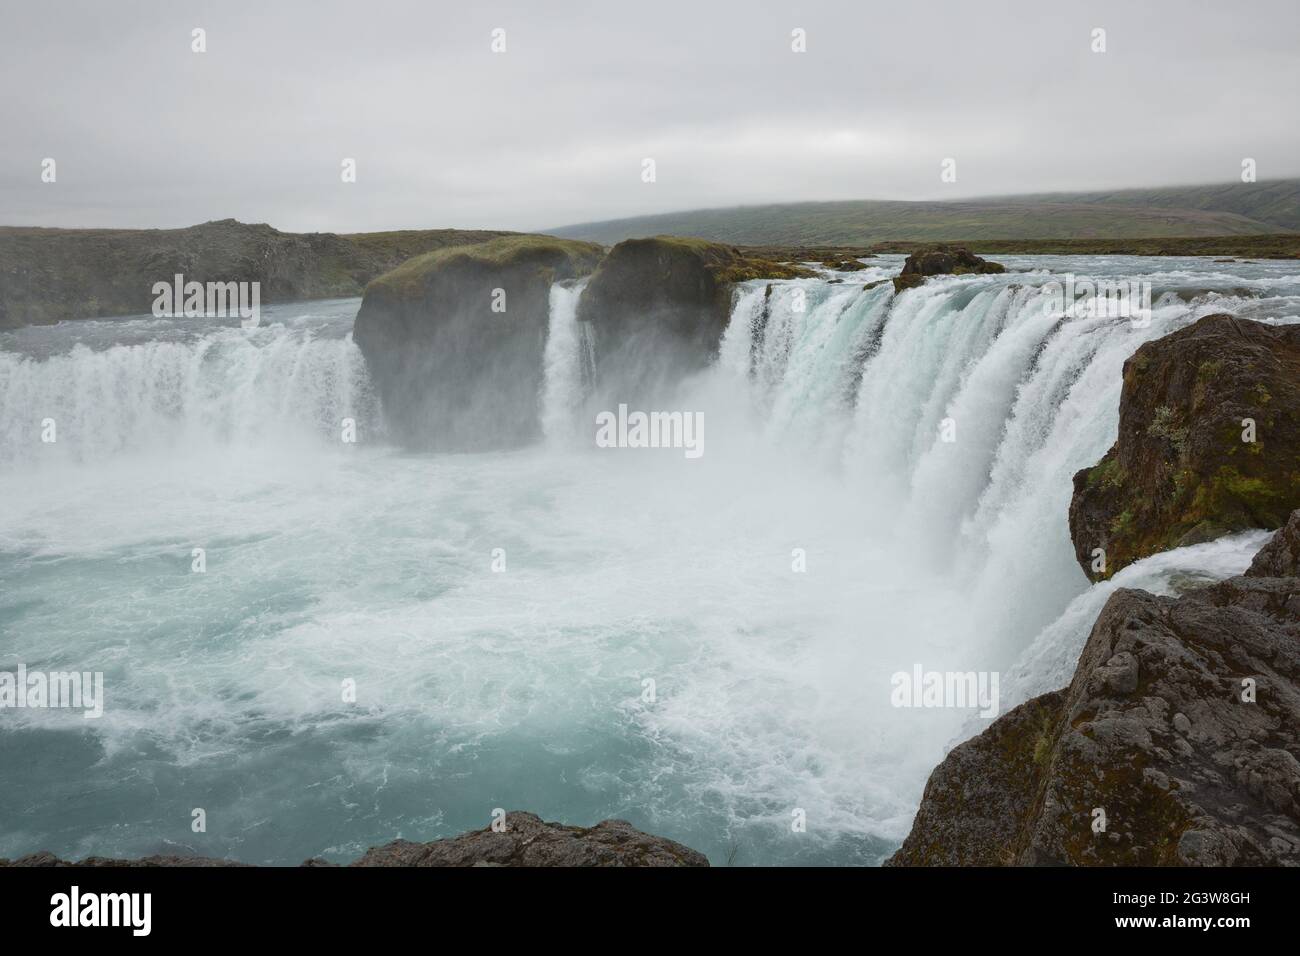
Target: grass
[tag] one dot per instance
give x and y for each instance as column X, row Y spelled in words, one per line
column 545, row 251
column 1225, row 210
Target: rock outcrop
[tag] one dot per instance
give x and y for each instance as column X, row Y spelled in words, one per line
column 455, row 339
column 526, row 841
column 1209, row 443
column 49, row 275
column 1176, row 743
column 658, row 308
column 942, row 260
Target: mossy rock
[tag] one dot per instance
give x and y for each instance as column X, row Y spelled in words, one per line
column 1183, row 470
column 942, row 260
column 455, row 339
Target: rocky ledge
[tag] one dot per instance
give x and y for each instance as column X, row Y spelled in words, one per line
column 942, row 260
column 1176, row 742
column 526, row 841
column 1209, row 443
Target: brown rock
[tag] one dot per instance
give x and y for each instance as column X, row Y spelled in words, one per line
column 1180, row 472
column 1153, row 732
column 941, row 260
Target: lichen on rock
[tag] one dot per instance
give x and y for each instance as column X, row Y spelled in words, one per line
column 1209, row 443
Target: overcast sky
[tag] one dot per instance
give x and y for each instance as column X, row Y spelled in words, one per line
column 553, row 131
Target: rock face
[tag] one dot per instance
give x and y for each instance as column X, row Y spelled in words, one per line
column 658, row 308
column 941, row 260
column 455, row 339
column 526, row 841
column 48, row 275
column 1181, row 726
column 1181, row 472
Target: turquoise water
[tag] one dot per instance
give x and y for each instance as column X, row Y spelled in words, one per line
column 525, row 688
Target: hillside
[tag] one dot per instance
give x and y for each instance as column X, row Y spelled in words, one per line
column 47, row 275
column 1186, row 212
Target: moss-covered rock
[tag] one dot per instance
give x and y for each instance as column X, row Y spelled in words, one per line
column 1189, row 465
column 942, row 260
column 455, row 339
column 1174, row 744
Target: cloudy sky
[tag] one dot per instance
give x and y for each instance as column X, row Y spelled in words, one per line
column 554, row 130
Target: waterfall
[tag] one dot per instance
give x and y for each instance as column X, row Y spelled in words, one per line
column 1028, row 396
column 222, row 387
column 568, row 360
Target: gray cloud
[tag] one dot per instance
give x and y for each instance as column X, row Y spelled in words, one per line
column 445, row 133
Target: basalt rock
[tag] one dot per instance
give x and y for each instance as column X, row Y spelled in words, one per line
column 1177, row 743
column 658, row 308
column 941, row 260
column 526, row 841
column 455, row 339
column 1209, row 443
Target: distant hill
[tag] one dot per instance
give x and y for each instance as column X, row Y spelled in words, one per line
column 47, row 275
column 1186, row 212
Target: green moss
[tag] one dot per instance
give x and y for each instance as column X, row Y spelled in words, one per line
column 1106, row 475
column 1255, row 493
column 545, row 251
column 1209, row 370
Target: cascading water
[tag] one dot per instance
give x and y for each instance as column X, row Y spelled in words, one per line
column 568, row 364
column 169, row 387
column 700, row 646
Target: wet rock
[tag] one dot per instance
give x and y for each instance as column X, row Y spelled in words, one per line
column 455, row 340
column 1182, row 471
column 658, row 308
column 1180, row 730
column 941, row 260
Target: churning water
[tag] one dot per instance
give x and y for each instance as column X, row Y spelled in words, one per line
column 647, row 651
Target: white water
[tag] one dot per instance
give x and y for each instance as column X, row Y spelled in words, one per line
column 568, row 363
column 168, row 388
column 525, row 688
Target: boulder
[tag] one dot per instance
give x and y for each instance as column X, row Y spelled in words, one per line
column 1175, row 744
column 526, row 841
column 454, row 340
column 658, row 308
column 1182, row 470
column 942, row 260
